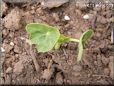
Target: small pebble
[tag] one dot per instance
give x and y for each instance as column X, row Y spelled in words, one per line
column 11, row 43
column 2, row 49
column 66, row 17
column 42, row 3
column 97, row 5
column 86, row 16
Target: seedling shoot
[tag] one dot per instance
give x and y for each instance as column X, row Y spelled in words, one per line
column 46, row 38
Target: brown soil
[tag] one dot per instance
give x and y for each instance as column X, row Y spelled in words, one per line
column 56, row 66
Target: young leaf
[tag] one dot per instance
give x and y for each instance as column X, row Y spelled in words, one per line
column 62, row 39
column 44, row 36
column 85, row 36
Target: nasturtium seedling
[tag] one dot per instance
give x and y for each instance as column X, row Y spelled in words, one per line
column 46, row 38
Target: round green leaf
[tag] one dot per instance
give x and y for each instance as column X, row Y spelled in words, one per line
column 43, row 35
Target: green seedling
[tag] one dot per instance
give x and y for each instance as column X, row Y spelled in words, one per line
column 46, row 38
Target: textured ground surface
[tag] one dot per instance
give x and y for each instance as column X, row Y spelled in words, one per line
column 59, row 66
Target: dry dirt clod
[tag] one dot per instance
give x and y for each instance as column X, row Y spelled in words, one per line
column 3, row 7
column 7, row 47
column 47, row 74
column 59, row 78
column 12, row 20
column 98, row 34
column 105, row 60
column 17, row 49
column 18, row 68
column 101, row 20
column 106, row 71
column 53, row 3
column 56, row 17
column 77, row 68
column 46, row 61
column 28, row 17
column 9, row 70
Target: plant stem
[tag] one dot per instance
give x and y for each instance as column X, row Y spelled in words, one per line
column 74, row 40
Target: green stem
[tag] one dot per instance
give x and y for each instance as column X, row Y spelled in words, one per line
column 74, row 40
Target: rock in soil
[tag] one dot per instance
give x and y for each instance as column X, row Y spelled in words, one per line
column 12, row 20
column 59, row 78
column 53, row 3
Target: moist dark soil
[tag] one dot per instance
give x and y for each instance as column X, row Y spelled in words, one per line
column 56, row 66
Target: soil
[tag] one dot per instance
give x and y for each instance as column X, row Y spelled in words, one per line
column 57, row 66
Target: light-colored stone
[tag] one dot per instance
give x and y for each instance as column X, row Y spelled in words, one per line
column 86, row 16
column 2, row 49
column 11, row 43
column 66, row 17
